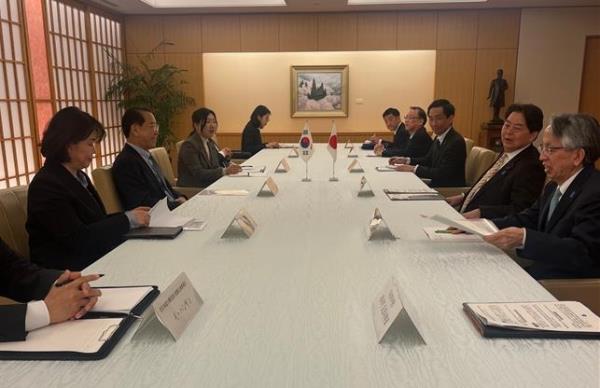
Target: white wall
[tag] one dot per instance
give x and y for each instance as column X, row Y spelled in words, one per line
column 551, row 53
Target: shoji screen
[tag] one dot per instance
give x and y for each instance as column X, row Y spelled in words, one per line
column 18, row 160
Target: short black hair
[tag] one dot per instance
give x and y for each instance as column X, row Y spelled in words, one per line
column 421, row 113
column 534, row 117
column 391, row 111
column 132, row 116
column 259, row 111
column 444, row 104
column 200, row 116
column 68, row 126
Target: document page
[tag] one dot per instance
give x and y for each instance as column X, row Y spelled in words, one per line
column 441, row 234
column 120, row 299
column 82, row 335
column 552, row 316
column 161, row 216
column 481, row 226
column 225, row 192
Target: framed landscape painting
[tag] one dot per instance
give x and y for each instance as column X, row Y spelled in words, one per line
column 320, row 91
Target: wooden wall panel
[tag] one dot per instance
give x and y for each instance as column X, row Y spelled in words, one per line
column 488, row 61
column 377, row 31
column 221, row 33
column 589, row 101
column 454, row 81
column 155, row 60
column 499, row 29
column 298, row 32
column 185, row 32
column 417, row 30
column 259, row 32
column 338, row 32
column 194, row 87
column 457, row 30
column 143, row 33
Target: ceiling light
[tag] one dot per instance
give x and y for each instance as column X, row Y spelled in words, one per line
column 213, row 3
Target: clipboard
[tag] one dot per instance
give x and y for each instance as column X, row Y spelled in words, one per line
column 127, row 319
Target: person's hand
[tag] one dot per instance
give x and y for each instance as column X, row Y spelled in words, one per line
column 141, row 215
column 233, row 169
column 404, row 168
column 378, row 149
column 71, row 298
column 398, row 160
column 375, row 139
column 454, row 200
column 273, row 144
column 180, row 200
column 227, row 152
column 506, row 239
column 476, row 213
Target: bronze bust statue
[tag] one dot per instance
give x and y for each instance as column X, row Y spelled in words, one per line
column 496, row 95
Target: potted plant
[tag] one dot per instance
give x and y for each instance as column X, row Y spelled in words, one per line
column 155, row 88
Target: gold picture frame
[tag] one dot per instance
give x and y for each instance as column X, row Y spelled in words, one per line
column 319, row 91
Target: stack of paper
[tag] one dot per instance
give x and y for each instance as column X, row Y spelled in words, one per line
column 480, row 226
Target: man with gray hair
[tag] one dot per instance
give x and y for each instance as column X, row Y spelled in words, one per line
column 560, row 233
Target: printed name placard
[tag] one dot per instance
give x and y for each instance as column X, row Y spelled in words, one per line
column 378, row 228
column 268, row 189
column 283, row 166
column 294, row 153
column 365, row 188
column 388, row 308
column 355, row 167
column 241, row 222
column 351, row 153
column 175, row 307
column 348, row 144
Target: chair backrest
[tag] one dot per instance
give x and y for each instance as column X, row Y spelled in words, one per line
column 13, row 215
column 469, row 143
column 105, row 186
column 161, row 156
column 176, row 157
column 478, row 161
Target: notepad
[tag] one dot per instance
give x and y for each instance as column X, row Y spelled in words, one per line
column 81, row 336
column 120, row 299
column 480, row 226
column 224, row 192
column 387, row 168
column 440, row 234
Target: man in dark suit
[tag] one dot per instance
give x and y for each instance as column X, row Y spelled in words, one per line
column 138, row 178
column 560, row 233
column 393, row 122
column 516, row 178
column 42, row 302
column 417, row 142
column 444, row 164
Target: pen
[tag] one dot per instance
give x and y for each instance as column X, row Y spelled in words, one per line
column 247, row 166
column 443, row 231
column 62, row 284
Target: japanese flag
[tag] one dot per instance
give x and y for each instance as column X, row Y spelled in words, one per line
column 306, row 143
column 332, row 143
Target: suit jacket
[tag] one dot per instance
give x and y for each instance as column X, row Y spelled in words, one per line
column 567, row 245
column 514, row 188
column 22, row 281
column 444, row 163
column 416, row 146
column 252, row 139
column 195, row 167
column 67, row 223
column 135, row 182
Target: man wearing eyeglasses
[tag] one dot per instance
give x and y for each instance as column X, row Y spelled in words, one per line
column 417, row 142
column 560, row 233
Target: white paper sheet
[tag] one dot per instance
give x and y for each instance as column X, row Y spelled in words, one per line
column 161, row 216
column 121, row 299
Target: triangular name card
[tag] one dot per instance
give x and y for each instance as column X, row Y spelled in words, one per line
column 351, row 153
column 355, row 167
column 378, row 228
column 283, row 166
column 294, row 153
column 242, row 225
column 365, row 188
column 268, row 189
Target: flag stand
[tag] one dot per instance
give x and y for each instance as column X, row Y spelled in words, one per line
column 306, row 179
column 333, row 177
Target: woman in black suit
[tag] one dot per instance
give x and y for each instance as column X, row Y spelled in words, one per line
column 251, row 138
column 66, row 220
column 200, row 163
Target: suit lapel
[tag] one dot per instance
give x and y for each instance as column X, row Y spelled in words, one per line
column 88, row 198
column 568, row 198
column 146, row 170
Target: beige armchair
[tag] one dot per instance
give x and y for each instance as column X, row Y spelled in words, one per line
column 105, row 186
column 479, row 159
column 161, row 156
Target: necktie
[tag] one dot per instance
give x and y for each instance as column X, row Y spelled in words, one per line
column 485, row 179
column 554, row 202
column 161, row 179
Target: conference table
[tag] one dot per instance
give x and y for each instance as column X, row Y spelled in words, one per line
column 291, row 305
